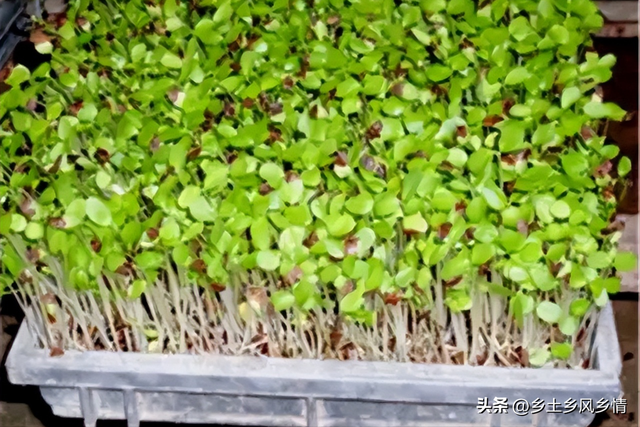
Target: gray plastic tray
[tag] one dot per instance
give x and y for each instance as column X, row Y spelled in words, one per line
column 9, row 12
column 290, row 392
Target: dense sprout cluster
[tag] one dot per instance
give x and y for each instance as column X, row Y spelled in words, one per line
column 408, row 180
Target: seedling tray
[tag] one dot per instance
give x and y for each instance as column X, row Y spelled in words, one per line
column 287, row 392
column 9, row 11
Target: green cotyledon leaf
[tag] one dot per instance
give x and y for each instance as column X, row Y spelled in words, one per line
column 339, row 158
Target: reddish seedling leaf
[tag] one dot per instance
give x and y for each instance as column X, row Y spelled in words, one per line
column 275, row 108
column 155, row 144
column 32, row 105
column 56, row 352
column 522, row 355
column 341, row 159
column 409, row 233
column 391, row 345
column 218, row 287
column 153, row 233
column 335, row 336
column 491, row 121
column 57, row 222
column 248, row 103
column 349, row 352
column 458, row 358
column 392, row 299
column 523, row 227
column 347, row 288
column 608, row 193
column 399, row 71
column 603, row 169
column 232, row 157
column 48, row 298
column 288, row 83
column 508, row 187
column 275, row 134
column 513, row 159
column 374, row 130
column 263, row 99
column 125, row 269
column 333, row 19
column 208, row 115
column 33, row 255
column 483, row 270
column 586, row 132
column 447, row 166
column 229, row 109
column 261, row 342
column 370, row 164
column 26, row 207
column 102, row 156
column 444, row 230
column 351, row 245
column 6, row 70
column 439, row 90
column 235, row 45
column 304, row 67
column 461, row 207
column 96, row 244
column 481, row 359
column 194, row 153
column 507, row 104
column 76, row 107
column 461, row 131
column 380, row 170
column 313, row 112
column 58, row 19
column 265, row 189
column 293, row 276
column 509, row 159
column 557, row 88
column 38, row 36
column 469, row 233
column 291, row 176
column 173, row 95
column 258, row 296
column 199, row 265
column 397, row 89
column 586, row 363
column 453, row 282
column 104, row 73
column 251, row 40
column 466, row 43
column 311, row 240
